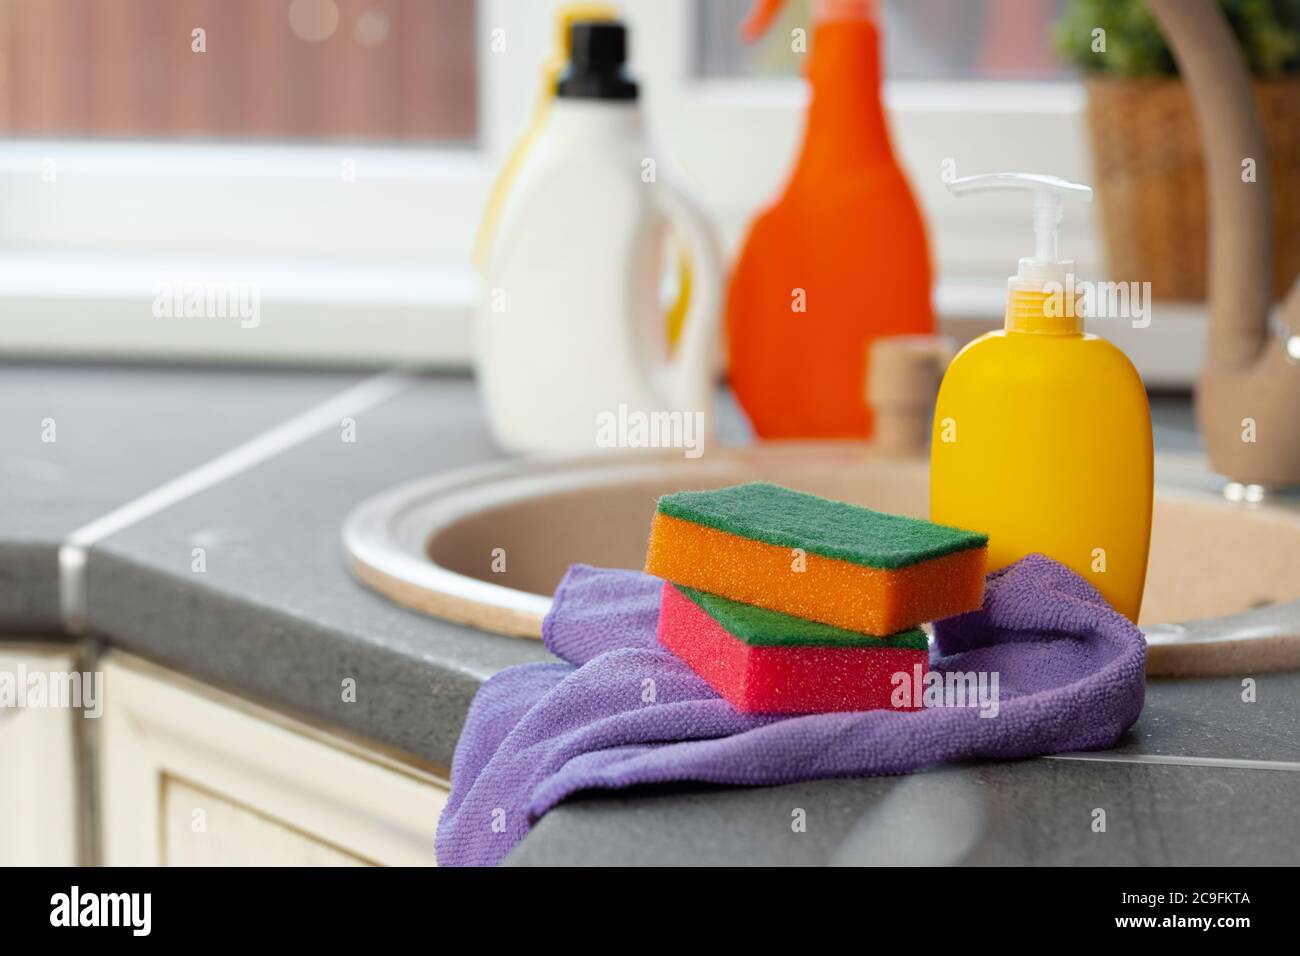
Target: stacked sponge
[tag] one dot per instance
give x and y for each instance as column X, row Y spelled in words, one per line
column 785, row 602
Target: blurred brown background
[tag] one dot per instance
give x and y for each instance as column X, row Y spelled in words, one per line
column 374, row 69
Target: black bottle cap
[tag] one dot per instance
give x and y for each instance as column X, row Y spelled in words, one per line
column 595, row 71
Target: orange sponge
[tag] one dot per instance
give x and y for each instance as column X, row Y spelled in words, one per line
column 817, row 559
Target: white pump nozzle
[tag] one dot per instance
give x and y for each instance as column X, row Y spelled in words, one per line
column 1048, row 192
column 1045, row 266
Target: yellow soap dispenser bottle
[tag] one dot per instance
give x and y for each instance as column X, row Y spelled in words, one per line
column 1042, row 432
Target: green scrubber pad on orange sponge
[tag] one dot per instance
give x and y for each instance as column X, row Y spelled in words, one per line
column 809, row 557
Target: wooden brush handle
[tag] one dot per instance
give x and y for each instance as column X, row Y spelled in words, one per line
column 903, row 378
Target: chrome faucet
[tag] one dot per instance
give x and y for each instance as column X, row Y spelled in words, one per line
column 1248, row 393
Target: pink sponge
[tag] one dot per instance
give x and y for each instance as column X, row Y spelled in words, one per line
column 765, row 662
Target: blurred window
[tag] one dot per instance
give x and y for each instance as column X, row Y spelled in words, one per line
column 281, row 69
column 337, row 154
column 924, row 40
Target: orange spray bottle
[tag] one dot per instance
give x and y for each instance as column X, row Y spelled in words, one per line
column 839, row 259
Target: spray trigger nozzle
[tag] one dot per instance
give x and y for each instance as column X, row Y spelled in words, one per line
column 763, row 12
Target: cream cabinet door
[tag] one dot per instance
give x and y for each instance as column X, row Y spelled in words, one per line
column 38, row 757
column 193, row 776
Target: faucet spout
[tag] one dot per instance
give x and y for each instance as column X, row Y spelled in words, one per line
column 1249, row 387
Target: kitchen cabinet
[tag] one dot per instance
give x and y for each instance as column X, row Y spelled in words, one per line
column 191, row 775
column 39, row 823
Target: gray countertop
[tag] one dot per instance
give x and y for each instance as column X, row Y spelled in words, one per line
column 276, row 615
column 1029, row 812
column 82, row 440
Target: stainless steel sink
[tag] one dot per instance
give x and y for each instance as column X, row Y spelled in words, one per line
column 487, row 546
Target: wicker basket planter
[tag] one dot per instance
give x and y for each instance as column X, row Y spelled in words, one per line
column 1151, row 181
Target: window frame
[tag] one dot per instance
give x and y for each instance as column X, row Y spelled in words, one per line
column 359, row 254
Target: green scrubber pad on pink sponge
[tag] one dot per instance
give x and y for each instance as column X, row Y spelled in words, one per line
column 762, row 661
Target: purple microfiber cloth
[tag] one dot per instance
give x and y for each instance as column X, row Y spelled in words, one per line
column 624, row 711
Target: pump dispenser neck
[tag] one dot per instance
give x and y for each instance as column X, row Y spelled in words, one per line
column 1057, row 312
column 1042, row 296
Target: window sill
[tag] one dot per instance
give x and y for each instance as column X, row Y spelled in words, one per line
column 348, row 313
column 317, row 312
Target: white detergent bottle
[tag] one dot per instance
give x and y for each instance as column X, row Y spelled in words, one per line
column 573, row 352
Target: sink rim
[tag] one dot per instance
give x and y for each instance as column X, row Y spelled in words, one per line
column 386, row 538
column 385, row 555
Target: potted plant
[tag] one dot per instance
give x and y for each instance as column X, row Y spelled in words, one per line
column 1146, row 147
